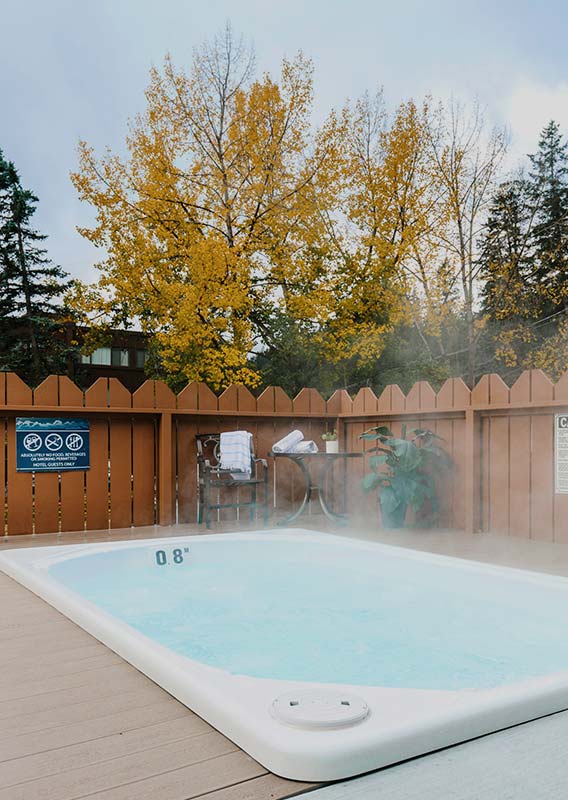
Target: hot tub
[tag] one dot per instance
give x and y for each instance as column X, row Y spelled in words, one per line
column 321, row 656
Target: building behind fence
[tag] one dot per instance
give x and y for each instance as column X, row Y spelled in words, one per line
column 143, row 453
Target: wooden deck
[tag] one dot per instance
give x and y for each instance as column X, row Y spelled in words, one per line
column 77, row 721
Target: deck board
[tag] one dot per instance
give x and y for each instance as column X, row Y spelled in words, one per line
column 108, row 674
column 88, row 730
column 89, row 710
column 191, row 781
column 14, row 675
column 267, row 786
column 119, row 770
column 97, row 751
column 76, row 720
column 91, row 689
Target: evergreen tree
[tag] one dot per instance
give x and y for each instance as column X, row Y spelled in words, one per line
column 33, row 339
column 506, row 251
column 524, row 265
column 549, row 189
column 509, row 303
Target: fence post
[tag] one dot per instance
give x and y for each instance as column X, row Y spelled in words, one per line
column 165, row 469
column 471, row 471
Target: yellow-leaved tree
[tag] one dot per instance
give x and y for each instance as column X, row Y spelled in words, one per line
column 371, row 204
column 208, row 224
column 231, row 223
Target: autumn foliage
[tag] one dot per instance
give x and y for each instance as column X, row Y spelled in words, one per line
column 209, row 222
column 231, row 210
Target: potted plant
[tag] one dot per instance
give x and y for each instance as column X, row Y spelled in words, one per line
column 403, row 472
column 331, row 443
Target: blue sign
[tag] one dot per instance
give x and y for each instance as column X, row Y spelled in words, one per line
column 51, row 445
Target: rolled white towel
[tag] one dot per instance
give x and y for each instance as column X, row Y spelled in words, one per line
column 307, row 446
column 288, row 443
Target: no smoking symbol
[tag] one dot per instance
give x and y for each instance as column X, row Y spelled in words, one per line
column 53, row 441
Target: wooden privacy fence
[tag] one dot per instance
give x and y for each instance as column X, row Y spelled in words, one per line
column 142, row 449
column 143, row 454
column 501, row 441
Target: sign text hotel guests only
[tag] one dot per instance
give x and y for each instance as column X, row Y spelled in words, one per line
column 51, row 445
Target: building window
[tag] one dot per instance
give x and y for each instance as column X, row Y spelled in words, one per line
column 119, row 358
column 101, row 356
column 141, row 358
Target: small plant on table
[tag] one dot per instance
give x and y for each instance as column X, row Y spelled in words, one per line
column 331, row 443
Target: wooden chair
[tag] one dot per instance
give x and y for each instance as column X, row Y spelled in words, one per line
column 211, row 479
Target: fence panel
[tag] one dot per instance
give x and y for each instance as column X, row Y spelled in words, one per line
column 120, row 466
column 542, row 481
column 520, row 476
column 143, row 454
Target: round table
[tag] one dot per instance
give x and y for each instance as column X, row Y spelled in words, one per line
column 320, row 464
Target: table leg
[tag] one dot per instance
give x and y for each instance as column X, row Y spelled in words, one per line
column 338, row 519
column 307, row 495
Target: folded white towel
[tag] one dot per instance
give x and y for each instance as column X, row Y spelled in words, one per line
column 235, row 451
column 307, row 446
column 287, row 444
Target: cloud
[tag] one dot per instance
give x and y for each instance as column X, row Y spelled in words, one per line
column 529, row 108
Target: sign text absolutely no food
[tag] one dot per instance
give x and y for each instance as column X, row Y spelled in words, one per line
column 51, row 445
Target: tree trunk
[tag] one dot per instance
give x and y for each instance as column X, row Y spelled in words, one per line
column 471, row 348
column 28, row 302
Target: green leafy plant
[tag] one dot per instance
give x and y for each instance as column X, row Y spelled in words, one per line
column 329, row 436
column 404, row 472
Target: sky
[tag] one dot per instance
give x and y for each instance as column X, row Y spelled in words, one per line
column 77, row 69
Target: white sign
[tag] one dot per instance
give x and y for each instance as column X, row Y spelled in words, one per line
column 561, row 452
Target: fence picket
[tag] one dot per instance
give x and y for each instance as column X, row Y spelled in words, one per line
column 544, row 501
column 46, row 484
column 365, row 402
column 17, row 392
column 3, row 445
column 421, row 397
column 97, row 483
column 188, row 397
column 120, row 463
column 165, row 398
column 542, row 388
column 18, row 489
column 143, row 458
column 96, row 395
